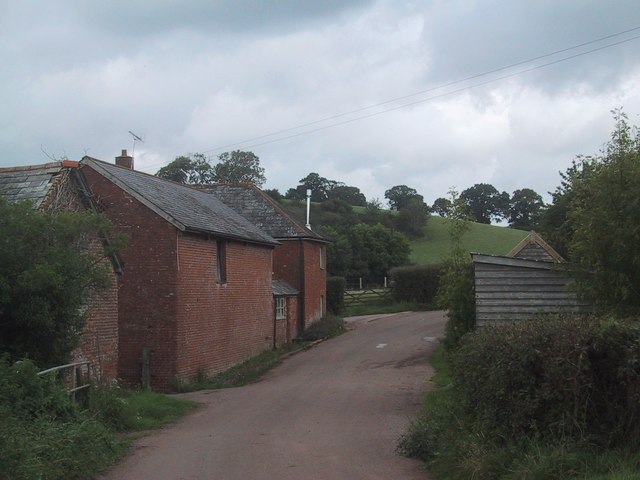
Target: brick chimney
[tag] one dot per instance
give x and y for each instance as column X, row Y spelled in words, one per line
column 125, row 160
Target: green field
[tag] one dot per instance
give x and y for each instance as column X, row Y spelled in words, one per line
column 481, row 238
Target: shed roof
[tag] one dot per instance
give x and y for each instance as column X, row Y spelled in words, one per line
column 533, row 247
column 283, row 289
column 261, row 210
column 33, row 182
column 186, row 208
column 513, row 261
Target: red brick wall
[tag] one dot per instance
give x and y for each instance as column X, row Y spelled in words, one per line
column 220, row 325
column 310, row 279
column 315, row 283
column 292, row 318
column 146, row 289
column 287, row 262
column 99, row 338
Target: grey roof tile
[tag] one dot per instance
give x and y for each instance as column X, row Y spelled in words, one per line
column 186, row 208
column 29, row 183
column 282, row 288
column 261, row 210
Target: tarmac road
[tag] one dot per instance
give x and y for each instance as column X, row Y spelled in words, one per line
column 335, row 411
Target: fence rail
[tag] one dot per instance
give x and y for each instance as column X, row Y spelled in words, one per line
column 79, row 381
column 366, row 296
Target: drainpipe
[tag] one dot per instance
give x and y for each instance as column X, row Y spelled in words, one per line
column 302, row 289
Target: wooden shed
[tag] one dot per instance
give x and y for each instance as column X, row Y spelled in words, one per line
column 530, row 280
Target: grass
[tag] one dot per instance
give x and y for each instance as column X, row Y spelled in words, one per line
column 244, row 373
column 252, row 369
column 435, row 246
column 441, row 437
column 153, row 410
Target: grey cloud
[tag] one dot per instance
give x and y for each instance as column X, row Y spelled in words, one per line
column 461, row 42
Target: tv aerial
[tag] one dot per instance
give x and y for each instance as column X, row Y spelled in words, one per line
column 136, row 138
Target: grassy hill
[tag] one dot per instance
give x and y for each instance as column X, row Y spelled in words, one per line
column 481, row 238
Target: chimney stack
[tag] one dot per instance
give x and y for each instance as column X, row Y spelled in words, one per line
column 125, row 160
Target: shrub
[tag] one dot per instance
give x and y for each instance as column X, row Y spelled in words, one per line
column 27, row 395
column 416, row 283
column 335, row 294
column 456, row 294
column 566, row 378
column 49, row 265
column 329, row 326
column 43, row 433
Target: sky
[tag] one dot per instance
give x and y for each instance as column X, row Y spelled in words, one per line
column 430, row 94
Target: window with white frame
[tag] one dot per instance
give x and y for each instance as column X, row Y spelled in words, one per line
column 323, row 258
column 281, row 308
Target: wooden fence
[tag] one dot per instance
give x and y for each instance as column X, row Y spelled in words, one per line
column 366, row 296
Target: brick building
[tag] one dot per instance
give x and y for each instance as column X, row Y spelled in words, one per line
column 196, row 294
column 208, row 277
column 51, row 187
column 299, row 259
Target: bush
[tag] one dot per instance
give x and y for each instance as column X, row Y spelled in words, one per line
column 335, row 294
column 329, row 326
column 455, row 445
column 416, row 283
column 569, row 378
column 456, row 294
column 43, row 433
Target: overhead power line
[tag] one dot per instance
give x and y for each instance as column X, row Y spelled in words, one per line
column 445, row 85
column 308, row 131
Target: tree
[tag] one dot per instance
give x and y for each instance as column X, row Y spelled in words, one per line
column 346, row 193
column 194, row 169
column 49, row 265
column 375, row 250
column 401, row 195
column 237, row 167
column 484, row 203
column 524, row 209
column 603, row 214
column 320, row 188
column 412, row 218
column 441, row 206
column 274, row 193
column 456, row 290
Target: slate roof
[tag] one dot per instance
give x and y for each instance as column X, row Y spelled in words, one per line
column 283, row 289
column 29, row 183
column 186, row 208
column 261, row 210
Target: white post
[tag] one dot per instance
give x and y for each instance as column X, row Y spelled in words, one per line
column 385, row 282
column 360, row 283
column 308, row 207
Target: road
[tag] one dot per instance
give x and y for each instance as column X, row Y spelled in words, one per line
column 335, row 411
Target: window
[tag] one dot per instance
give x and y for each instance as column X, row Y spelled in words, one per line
column 221, row 262
column 281, row 308
column 321, row 305
column 322, row 258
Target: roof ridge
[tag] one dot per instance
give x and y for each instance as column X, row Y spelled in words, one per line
column 24, row 168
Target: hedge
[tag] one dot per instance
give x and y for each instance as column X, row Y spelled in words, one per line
column 335, row 294
column 560, row 378
column 417, row 283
